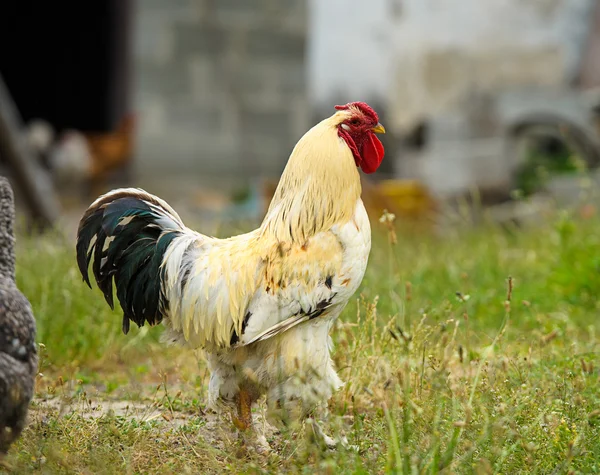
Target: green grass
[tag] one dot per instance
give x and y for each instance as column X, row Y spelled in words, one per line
column 475, row 351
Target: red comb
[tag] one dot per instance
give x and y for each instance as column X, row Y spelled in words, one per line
column 363, row 107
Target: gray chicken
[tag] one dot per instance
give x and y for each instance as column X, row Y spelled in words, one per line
column 18, row 352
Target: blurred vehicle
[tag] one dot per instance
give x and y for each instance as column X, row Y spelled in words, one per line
column 511, row 140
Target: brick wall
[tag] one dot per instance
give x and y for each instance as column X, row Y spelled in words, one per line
column 219, row 86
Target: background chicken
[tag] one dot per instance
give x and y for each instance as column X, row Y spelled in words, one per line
column 261, row 304
column 18, row 353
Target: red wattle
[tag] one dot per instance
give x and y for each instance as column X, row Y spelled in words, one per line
column 372, row 153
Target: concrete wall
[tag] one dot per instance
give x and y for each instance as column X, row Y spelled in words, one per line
column 589, row 76
column 422, row 56
column 219, row 87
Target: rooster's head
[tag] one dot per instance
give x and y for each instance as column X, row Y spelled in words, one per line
column 358, row 124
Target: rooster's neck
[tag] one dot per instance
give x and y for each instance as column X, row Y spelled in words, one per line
column 318, row 188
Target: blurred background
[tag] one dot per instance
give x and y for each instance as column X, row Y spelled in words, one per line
column 201, row 101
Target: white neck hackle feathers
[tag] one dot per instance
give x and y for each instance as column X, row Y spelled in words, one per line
column 318, row 188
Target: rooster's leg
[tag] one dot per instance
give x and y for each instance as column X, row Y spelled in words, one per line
column 251, row 433
column 243, row 419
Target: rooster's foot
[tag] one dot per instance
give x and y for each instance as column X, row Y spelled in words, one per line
column 327, row 441
column 254, row 439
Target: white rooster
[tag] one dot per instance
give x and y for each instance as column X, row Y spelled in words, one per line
column 261, row 304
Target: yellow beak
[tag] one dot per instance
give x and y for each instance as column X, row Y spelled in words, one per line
column 379, row 129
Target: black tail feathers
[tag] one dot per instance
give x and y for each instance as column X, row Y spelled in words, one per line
column 126, row 233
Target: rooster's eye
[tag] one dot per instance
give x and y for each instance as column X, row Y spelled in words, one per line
column 355, row 121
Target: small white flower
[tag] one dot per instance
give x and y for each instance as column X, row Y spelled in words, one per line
column 387, row 217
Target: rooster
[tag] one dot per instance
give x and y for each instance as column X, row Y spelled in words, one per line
column 260, row 304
